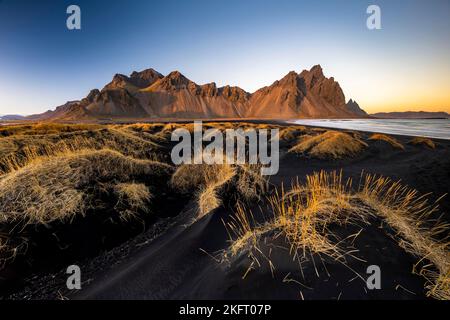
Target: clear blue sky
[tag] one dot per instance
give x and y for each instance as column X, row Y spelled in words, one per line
column 406, row 65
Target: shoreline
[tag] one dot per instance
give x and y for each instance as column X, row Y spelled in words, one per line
column 283, row 122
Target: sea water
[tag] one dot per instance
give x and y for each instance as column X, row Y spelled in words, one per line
column 431, row 128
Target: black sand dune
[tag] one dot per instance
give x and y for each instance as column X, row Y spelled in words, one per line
column 178, row 257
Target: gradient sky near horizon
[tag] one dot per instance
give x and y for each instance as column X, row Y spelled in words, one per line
column 404, row 66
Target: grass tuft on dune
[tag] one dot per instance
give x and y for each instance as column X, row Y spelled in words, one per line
column 132, row 198
column 60, row 187
column 52, row 174
column 392, row 141
column 304, row 214
column 421, row 141
column 210, row 181
column 19, row 150
column 45, row 128
column 330, row 144
column 291, row 133
column 419, row 232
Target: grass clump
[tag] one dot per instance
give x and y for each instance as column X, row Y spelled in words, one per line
column 331, row 144
column 61, row 187
column 54, row 174
column 132, row 198
column 421, row 141
column 392, row 141
column 291, row 133
column 304, row 214
column 419, row 231
column 205, row 180
column 21, row 150
column 45, row 128
column 209, row 182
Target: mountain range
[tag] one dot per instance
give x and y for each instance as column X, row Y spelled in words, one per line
column 9, row 117
column 411, row 115
column 149, row 94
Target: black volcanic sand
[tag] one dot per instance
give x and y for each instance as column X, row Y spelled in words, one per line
column 176, row 258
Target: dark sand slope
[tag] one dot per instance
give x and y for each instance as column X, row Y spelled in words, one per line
column 175, row 265
column 181, row 258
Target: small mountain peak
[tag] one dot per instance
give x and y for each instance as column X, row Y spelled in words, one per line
column 210, row 85
column 145, row 77
column 291, row 76
column 234, row 93
column 118, row 81
column 177, row 77
column 119, row 76
column 149, row 71
column 175, row 81
column 351, row 101
column 175, row 74
column 354, row 108
column 94, row 93
column 209, row 89
column 317, row 70
column 290, row 80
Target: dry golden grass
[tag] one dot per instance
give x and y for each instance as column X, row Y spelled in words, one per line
column 55, row 172
column 216, row 125
column 57, row 189
column 291, row 133
column 413, row 218
column 423, row 141
column 169, row 127
column 205, row 180
column 392, row 141
column 221, row 125
column 20, row 150
column 242, row 125
column 37, row 151
column 208, row 199
column 303, row 215
column 208, row 181
column 249, row 182
column 132, row 198
column 165, row 130
column 354, row 134
column 45, row 128
column 147, row 131
column 331, row 144
column 260, row 126
column 188, row 177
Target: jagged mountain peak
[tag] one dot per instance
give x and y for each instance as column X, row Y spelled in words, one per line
column 118, row 81
column 178, row 76
column 137, row 80
column 290, row 77
column 174, row 81
column 317, row 71
column 146, row 73
column 145, row 77
column 354, row 107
